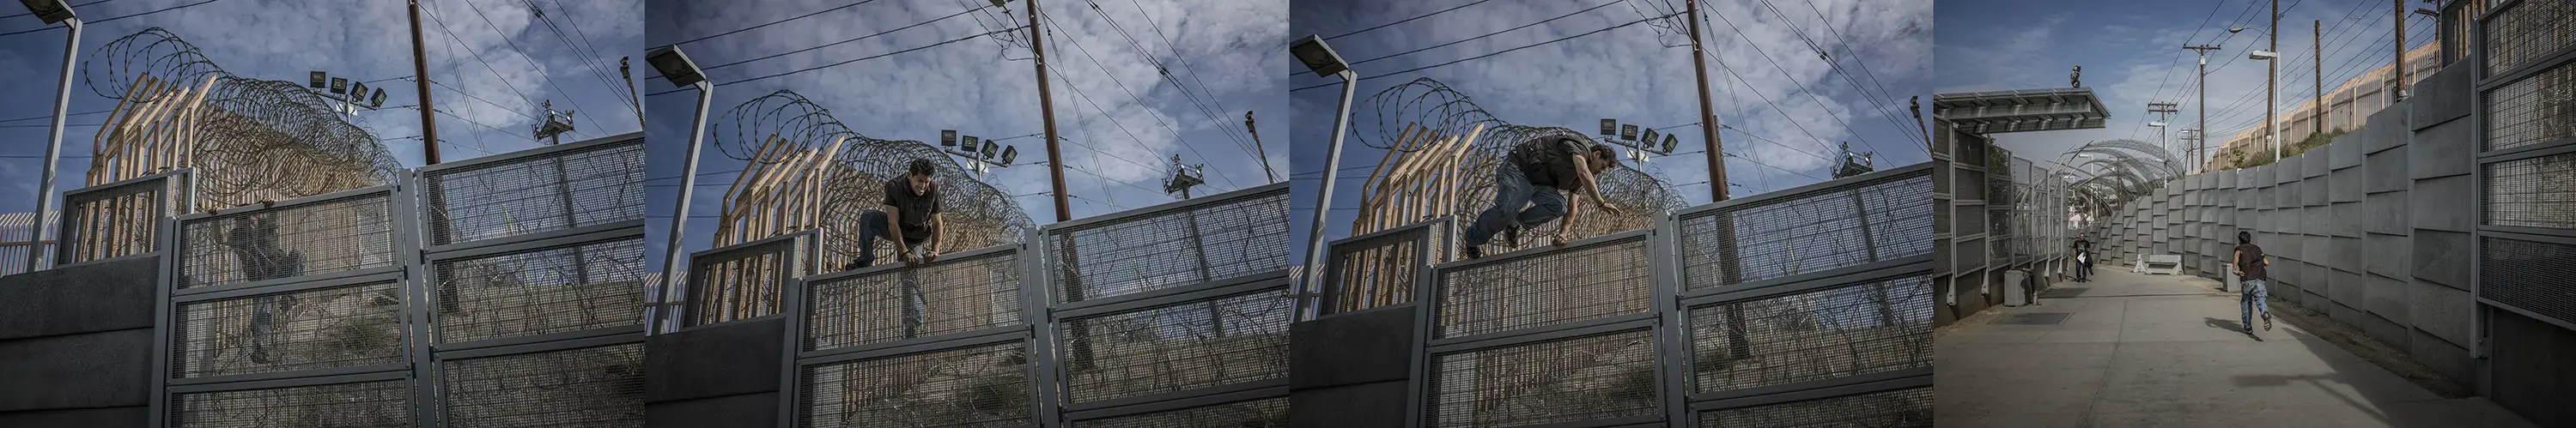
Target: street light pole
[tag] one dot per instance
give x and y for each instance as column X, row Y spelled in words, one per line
column 51, row 12
column 1320, row 58
column 676, row 67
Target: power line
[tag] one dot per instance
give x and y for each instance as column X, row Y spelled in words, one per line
column 846, row 62
column 1480, row 37
column 1802, row 86
column 826, row 45
column 532, row 62
column 590, row 56
column 478, row 57
column 52, row 116
column 103, row 21
column 1400, row 21
column 797, row 17
column 1232, row 134
column 1489, row 55
column 34, row 14
column 1131, row 95
column 1877, row 103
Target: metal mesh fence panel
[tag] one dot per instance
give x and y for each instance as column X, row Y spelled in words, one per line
column 2530, row 275
column 1893, row 409
column 568, row 288
column 582, row 387
column 379, row 404
column 115, row 221
column 1264, row 413
column 2531, row 192
column 1226, row 340
column 2533, row 110
column 300, row 330
column 2526, row 32
column 951, row 296
column 1564, row 380
column 1228, row 239
column 744, row 282
column 1381, row 271
column 1866, row 222
column 538, row 194
column 1848, row 330
column 1594, row 281
column 984, row 386
column 345, row 234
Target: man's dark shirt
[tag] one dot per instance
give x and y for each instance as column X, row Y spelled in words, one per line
column 1549, row 162
column 2249, row 259
column 915, row 210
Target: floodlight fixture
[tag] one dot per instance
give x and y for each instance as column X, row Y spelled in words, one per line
column 989, row 148
column 1010, row 154
column 1671, row 143
column 966, row 142
column 1648, row 137
column 948, row 138
column 357, row 91
column 1318, row 56
column 2262, row 55
column 1628, row 132
column 2232, row 30
column 378, row 100
column 339, row 85
column 318, row 79
column 51, row 11
column 674, row 65
column 1609, row 127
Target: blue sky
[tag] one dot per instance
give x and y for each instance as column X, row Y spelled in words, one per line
column 1121, row 118
column 2132, row 55
column 283, row 40
column 1630, row 74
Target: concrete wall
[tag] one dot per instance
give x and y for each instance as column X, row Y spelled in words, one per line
column 717, row 375
column 76, row 345
column 1351, row 370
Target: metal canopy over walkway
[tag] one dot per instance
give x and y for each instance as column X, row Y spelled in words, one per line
column 2022, row 110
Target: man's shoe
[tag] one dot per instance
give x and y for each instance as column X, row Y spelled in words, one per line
column 1512, row 235
column 1472, row 252
column 2267, row 322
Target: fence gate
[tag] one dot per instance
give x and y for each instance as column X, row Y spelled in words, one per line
column 498, row 291
column 122, row 218
column 1810, row 305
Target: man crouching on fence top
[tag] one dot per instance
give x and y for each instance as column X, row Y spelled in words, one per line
column 1531, row 175
column 912, row 220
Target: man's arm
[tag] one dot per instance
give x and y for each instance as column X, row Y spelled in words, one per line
column 1592, row 184
column 894, row 228
column 938, row 229
column 2234, row 262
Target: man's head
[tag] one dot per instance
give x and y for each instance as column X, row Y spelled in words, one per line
column 2244, row 237
column 1602, row 156
column 920, row 176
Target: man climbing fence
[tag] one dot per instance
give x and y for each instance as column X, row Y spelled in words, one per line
column 1531, row 175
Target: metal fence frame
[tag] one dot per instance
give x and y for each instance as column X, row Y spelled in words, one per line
column 1058, row 313
column 799, row 261
column 1667, row 319
column 2487, row 79
column 178, row 191
column 1429, row 252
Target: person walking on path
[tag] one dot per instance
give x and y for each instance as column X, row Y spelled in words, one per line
column 2248, row 267
column 1531, row 174
column 2083, row 249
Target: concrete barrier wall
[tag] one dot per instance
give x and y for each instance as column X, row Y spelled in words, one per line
column 76, row 345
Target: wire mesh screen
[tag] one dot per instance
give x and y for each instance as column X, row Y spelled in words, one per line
column 1849, row 330
column 1892, row 409
column 2531, row 192
column 301, row 330
column 339, row 235
column 1573, row 284
column 379, row 404
column 984, row 386
column 2533, row 110
column 2530, row 275
column 1864, row 222
column 1381, row 271
column 1160, row 250
column 553, row 192
column 2527, row 31
column 1265, row 413
column 553, row 290
column 1226, row 340
column 581, row 387
column 951, row 296
column 1564, row 380
column 743, row 282
column 115, row 221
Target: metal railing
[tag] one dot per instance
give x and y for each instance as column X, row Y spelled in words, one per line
column 1379, row 268
column 743, row 281
column 121, row 218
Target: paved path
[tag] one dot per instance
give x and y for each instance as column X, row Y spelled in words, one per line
column 2141, row 350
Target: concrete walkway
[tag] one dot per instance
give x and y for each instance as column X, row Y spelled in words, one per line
column 2156, row 350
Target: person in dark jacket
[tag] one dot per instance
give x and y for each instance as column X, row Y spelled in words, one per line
column 254, row 246
column 2083, row 250
column 2249, row 269
column 911, row 219
column 1531, row 175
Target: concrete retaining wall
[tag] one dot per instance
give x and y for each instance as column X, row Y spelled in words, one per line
column 76, row 345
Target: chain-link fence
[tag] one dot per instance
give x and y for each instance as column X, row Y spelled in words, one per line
column 329, row 311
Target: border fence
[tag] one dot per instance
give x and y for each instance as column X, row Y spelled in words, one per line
column 1173, row 315
column 1993, row 213
column 1809, row 305
column 497, row 291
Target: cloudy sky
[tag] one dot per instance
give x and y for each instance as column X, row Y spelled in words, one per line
column 499, row 53
column 1121, row 118
column 1788, row 106
column 2132, row 55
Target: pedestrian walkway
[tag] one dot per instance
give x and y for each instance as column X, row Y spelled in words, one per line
column 2160, row 350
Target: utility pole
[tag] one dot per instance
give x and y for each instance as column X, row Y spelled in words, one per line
column 2163, row 112
column 628, row 73
column 2317, row 64
column 1707, row 114
column 2202, row 106
column 2397, row 19
column 1046, row 109
column 1264, row 154
column 420, row 78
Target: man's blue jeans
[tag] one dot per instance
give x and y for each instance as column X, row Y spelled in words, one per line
column 1511, row 190
column 2254, row 296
